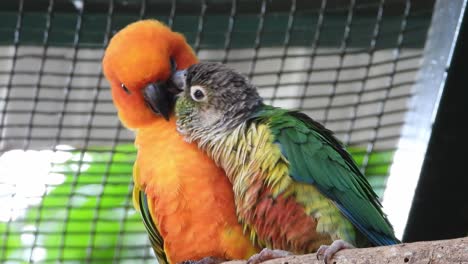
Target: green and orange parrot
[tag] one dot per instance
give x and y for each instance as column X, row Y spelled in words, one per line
column 185, row 200
column 296, row 188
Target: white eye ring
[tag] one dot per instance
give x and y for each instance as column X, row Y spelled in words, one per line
column 198, row 93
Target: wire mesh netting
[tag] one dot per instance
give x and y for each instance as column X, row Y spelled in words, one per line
column 66, row 162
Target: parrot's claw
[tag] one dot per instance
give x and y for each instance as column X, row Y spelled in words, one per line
column 267, row 254
column 207, row 260
column 327, row 252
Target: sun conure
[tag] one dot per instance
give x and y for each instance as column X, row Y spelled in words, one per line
column 185, row 200
column 296, row 188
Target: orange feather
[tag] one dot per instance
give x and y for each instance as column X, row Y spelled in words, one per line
column 190, row 198
column 193, row 199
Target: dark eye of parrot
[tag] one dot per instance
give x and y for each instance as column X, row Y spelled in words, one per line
column 198, row 93
column 125, row 88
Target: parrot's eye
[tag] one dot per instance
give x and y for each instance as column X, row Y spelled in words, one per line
column 125, row 88
column 198, row 93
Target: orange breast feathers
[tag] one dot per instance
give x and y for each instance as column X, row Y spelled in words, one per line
column 192, row 197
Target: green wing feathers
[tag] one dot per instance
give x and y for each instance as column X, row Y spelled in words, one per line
column 154, row 236
column 141, row 204
column 316, row 157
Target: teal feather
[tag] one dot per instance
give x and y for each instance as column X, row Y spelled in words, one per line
column 155, row 237
column 316, row 157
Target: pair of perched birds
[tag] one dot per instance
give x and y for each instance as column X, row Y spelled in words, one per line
column 219, row 175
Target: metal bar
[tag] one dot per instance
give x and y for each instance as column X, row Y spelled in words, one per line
column 440, row 203
column 412, row 146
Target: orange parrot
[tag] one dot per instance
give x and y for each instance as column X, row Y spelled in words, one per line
column 185, row 200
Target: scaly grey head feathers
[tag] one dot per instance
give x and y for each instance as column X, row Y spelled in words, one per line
column 215, row 98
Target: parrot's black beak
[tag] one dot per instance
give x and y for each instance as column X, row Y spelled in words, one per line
column 177, row 81
column 160, row 96
column 159, row 99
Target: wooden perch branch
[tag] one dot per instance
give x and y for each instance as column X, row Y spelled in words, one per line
column 430, row 252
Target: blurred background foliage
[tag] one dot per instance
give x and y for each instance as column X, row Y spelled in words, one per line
column 97, row 216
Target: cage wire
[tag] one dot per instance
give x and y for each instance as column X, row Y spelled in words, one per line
column 66, row 161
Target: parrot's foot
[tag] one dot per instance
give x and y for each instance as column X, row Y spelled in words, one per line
column 207, row 260
column 327, row 252
column 267, row 254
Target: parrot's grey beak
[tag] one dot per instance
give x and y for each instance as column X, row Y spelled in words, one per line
column 159, row 99
column 178, row 81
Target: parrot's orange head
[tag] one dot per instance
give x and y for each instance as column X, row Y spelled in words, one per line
column 138, row 64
